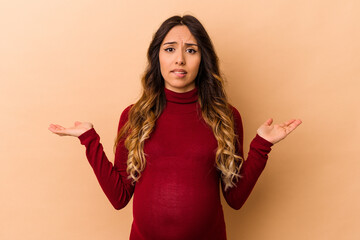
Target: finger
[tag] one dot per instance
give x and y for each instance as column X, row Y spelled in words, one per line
column 293, row 125
column 53, row 127
column 286, row 124
column 59, row 127
column 268, row 122
column 289, row 122
column 54, row 130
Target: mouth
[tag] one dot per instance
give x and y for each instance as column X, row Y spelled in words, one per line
column 180, row 74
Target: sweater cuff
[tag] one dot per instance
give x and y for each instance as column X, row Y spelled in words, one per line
column 91, row 133
column 262, row 141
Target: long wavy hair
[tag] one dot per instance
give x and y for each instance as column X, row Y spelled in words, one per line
column 215, row 109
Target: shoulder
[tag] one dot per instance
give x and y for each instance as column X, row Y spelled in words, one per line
column 127, row 110
column 238, row 124
column 235, row 112
column 125, row 115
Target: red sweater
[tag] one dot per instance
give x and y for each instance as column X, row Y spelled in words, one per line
column 177, row 196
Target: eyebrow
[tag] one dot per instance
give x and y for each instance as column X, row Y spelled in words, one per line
column 188, row 44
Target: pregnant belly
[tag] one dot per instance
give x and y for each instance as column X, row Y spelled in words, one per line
column 176, row 206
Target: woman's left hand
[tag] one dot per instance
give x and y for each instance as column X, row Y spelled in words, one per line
column 277, row 132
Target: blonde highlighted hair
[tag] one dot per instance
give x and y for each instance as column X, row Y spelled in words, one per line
column 215, row 109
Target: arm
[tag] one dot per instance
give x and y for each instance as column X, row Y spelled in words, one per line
column 251, row 168
column 112, row 179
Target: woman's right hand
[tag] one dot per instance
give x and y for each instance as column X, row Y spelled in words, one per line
column 75, row 131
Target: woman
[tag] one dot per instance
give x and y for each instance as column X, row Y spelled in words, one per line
column 178, row 141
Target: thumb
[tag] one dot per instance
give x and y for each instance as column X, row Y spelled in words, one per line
column 268, row 122
column 77, row 123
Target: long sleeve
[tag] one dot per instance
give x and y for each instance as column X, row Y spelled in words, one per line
column 112, row 178
column 251, row 168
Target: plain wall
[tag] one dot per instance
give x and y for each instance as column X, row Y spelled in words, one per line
column 62, row 61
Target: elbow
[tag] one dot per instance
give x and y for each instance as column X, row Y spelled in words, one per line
column 118, row 205
column 120, row 201
column 236, row 206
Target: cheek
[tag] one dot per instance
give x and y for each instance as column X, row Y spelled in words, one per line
column 196, row 64
column 160, row 60
column 164, row 62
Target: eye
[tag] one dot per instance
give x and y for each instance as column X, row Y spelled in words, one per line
column 168, row 49
column 192, row 51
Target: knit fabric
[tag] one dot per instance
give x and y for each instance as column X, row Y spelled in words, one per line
column 178, row 195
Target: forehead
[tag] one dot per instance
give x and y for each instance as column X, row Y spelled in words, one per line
column 180, row 33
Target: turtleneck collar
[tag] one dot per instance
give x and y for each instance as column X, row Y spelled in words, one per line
column 183, row 98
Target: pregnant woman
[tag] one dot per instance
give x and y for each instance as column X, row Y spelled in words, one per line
column 179, row 141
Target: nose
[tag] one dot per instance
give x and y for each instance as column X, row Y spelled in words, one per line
column 180, row 58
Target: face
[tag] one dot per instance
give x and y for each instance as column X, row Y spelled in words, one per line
column 179, row 58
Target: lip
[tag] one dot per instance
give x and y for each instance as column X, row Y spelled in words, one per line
column 180, row 75
column 179, row 70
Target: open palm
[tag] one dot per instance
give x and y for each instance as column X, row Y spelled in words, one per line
column 277, row 132
column 75, row 131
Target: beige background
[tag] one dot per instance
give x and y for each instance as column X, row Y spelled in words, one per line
column 62, row 61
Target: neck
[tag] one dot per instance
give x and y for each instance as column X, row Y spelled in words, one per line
column 183, row 97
